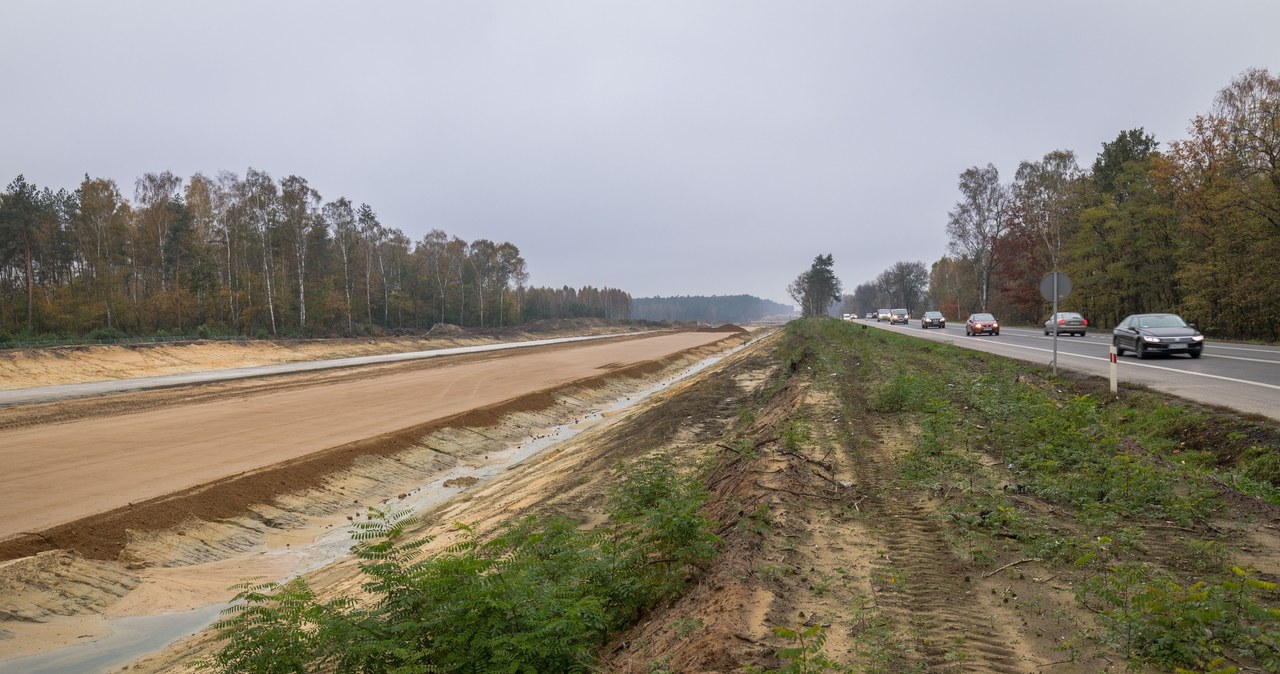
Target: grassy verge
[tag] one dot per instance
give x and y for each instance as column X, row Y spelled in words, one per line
column 1139, row 505
column 1055, row 470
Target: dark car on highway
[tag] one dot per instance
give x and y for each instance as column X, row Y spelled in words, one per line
column 1066, row 323
column 1146, row 334
column 899, row 316
column 981, row 323
column 933, row 319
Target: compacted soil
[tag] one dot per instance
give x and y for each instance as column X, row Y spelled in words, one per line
column 817, row 529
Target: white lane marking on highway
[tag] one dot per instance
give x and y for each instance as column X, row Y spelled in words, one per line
column 1251, row 360
column 1201, row 374
column 1216, row 347
column 1155, row 367
column 1243, row 348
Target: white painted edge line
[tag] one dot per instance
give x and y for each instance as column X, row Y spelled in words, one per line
column 1154, row 367
column 1100, row 337
column 1251, row 360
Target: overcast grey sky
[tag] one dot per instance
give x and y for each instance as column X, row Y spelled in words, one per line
column 690, row 147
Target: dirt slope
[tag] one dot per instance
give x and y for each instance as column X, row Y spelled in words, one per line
column 818, row 530
column 57, row 474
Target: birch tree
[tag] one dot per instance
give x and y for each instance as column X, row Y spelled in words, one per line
column 977, row 222
column 340, row 218
column 100, row 230
column 261, row 201
column 371, row 233
column 152, row 194
column 299, row 220
column 1045, row 195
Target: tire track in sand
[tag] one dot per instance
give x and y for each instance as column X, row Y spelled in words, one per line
column 918, row 584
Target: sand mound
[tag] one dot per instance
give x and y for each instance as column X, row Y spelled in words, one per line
column 726, row 327
column 445, row 329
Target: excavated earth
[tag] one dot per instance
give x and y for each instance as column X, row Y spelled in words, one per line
column 815, row 531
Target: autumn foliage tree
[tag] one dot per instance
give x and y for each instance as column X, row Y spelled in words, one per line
column 232, row 255
column 1193, row 230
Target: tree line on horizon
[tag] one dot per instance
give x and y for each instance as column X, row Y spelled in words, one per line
column 708, row 308
column 1194, row 229
column 250, row 256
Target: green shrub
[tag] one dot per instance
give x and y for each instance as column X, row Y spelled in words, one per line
column 106, row 334
column 1153, row 618
column 903, row 393
column 1262, row 464
column 541, row 596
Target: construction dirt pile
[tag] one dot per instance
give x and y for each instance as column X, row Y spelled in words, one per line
column 183, row 551
column 26, row 368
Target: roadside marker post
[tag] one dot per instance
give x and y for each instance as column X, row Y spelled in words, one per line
column 1115, row 365
column 1053, row 287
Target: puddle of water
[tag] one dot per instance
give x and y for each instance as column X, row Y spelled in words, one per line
column 137, row 636
column 130, row 638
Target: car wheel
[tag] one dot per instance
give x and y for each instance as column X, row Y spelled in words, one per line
column 1195, row 354
column 1141, row 351
column 996, row 333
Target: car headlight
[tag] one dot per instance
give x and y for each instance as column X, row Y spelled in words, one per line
column 1153, row 340
column 1197, row 338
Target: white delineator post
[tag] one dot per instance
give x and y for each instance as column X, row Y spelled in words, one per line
column 1115, row 365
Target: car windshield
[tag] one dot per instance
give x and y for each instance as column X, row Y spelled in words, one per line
column 982, row 317
column 1069, row 315
column 1161, row 321
column 933, row 314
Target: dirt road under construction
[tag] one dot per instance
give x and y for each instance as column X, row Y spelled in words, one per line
column 79, row 475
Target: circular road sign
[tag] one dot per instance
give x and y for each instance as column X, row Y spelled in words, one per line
column 1046, row 286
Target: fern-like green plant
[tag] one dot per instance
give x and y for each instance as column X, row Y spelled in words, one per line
column 540, row 596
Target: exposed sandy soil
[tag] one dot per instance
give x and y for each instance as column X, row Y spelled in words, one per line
column 26, row 368
column 64, row 472
column 815, row 532
column 282, row 459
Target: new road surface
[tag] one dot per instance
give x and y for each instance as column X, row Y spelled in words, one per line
column 1244, row 377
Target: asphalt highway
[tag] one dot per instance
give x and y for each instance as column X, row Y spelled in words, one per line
column 1245, row 377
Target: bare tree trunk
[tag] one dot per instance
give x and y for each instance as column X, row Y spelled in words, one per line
column 231, row 293
column 266, row 272
column 386, row 292
column 346, row 283
column 302, row 285
column 368, row 280
column 31, row 288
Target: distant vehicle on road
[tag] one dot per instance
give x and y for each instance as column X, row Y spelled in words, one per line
column 933, row 319
column 899, row 316
column 884, row 315
column 1146, row 334
column 978, row 324
column 871, row 315
column 1066, row 323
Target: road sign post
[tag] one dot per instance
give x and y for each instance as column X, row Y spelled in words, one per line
column 1053, row 287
